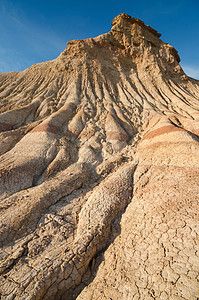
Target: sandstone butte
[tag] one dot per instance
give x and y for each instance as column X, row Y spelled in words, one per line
column 99, row 173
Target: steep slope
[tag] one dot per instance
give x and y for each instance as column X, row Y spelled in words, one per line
column 99, row 150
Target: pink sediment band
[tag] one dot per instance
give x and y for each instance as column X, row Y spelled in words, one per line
column 45, row 128
column 161, row 130
column 5, row 127
column 112, row 135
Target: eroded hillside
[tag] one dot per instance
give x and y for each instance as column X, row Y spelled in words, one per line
column 99, row 172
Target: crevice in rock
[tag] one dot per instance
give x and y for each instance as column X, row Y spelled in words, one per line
column 98, row 258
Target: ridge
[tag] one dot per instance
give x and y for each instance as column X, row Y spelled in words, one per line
column 123, row 19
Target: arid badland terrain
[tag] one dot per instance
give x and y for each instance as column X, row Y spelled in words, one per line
column 99, row 172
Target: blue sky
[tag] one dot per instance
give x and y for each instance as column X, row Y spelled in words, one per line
column 33, row 31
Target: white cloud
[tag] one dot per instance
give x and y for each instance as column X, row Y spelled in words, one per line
column 191, row 71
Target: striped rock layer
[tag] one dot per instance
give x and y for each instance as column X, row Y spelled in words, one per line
column 99, row 172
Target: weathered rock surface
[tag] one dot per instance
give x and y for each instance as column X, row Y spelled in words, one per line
column 99, row 175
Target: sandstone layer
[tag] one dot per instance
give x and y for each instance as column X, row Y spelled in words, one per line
column 99, row 175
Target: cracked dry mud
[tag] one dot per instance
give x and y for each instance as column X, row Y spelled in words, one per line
column 99, row 176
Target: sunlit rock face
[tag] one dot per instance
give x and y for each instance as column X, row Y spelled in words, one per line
column 99, row 174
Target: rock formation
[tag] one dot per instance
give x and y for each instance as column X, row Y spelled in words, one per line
column 99, row 175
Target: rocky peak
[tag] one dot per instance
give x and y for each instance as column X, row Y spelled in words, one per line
column 129, row 39
column 124, row 21
column 141, row 40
